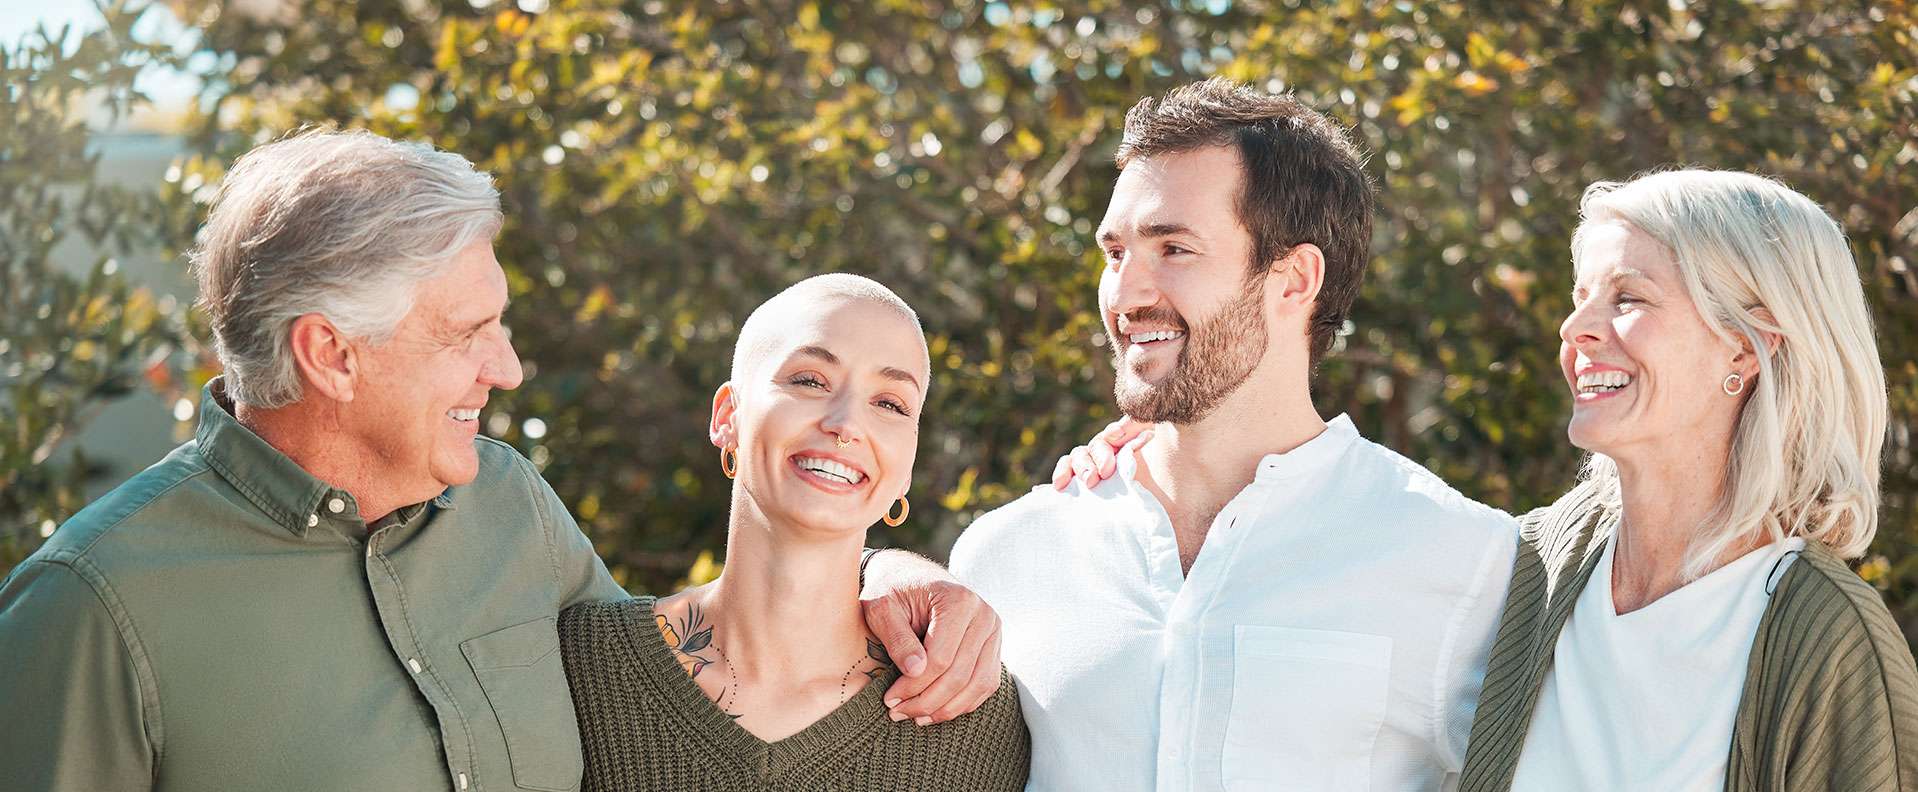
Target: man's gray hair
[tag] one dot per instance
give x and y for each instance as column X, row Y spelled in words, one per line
column 342, row 224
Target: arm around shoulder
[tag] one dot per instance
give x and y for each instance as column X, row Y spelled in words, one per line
column 81, row 712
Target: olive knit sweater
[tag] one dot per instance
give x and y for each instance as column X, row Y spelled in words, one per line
column 646, row 725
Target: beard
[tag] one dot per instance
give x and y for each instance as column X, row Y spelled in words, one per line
column 1218, row 356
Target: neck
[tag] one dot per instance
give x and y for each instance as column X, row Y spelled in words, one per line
column 1666, row 499
column 1196, row 469
column 1208, row 461
column 786, row 608
column 315, row 438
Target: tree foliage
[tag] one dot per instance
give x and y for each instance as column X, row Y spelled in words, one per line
column 69, row 341
column 668, row 165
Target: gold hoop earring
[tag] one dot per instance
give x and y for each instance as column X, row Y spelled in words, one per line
column 729, row 463
column 904, row 509
column 1733, row 384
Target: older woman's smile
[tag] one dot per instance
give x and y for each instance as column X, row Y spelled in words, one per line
column 1599, row 382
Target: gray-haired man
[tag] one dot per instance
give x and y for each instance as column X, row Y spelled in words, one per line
column 339, row 584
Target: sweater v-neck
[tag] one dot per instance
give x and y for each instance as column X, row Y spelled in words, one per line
column 857, row 719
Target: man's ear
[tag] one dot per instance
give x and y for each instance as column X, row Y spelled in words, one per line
column 721, row 430
column 1295, row 278
column 327, row 362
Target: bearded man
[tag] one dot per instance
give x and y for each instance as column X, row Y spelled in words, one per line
column 1259, row 599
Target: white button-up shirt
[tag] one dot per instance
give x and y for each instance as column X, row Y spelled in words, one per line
column 1332, row 633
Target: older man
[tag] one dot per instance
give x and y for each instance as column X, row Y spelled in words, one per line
column 339, row 583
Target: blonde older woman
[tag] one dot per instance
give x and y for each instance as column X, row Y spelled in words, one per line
column 1726, row 383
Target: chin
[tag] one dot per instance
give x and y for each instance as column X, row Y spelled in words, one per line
column 456, row 469
column 1587, row 434
column 826, row 523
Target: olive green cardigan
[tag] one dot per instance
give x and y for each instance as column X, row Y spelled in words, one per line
column 645, row 725
column 1831, row 692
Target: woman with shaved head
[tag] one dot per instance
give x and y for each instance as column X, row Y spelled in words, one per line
column 766, row 678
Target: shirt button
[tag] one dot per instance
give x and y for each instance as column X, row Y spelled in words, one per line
column 462, row 779
column 336, row 505
column 413, row 663
column 312, row 520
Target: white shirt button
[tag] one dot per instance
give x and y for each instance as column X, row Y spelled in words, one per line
column 462, row 779
column 336, row 505
column 312, row 520
column 413, row 663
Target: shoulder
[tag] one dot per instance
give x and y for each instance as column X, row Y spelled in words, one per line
column 1392, row 482
column 499, row 461
column 1028, row 519
column 988, row 748
column 586, row 628
column 181, row 476
column 1822, row 605
column 1829, row 652
column 597, row 614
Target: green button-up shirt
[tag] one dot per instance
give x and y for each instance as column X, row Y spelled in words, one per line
column 226, row 621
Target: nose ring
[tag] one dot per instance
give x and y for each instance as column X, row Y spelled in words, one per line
column 842, row 442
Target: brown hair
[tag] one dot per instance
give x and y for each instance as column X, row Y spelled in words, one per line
column 1304, row 180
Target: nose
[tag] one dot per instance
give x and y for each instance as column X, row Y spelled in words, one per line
column 502, row 370
column 838, row 418
column 1129, row 286
column 1583, row 326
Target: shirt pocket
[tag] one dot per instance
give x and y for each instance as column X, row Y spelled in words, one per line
column 1306, row 708
column 520, row 671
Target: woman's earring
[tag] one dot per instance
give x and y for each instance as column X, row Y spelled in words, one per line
column 729, row 463
column 1733, row 384
column 904, row 509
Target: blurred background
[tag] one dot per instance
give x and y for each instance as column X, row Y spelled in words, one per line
column 665, row 166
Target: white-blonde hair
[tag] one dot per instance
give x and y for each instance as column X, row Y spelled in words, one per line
column 1757, row 257
column 342, row 224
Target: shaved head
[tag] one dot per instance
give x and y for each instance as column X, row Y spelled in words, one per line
column 764, row 329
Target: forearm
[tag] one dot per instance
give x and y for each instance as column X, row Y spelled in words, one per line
column 889, row 569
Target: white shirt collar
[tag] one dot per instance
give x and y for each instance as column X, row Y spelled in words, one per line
column 1313, row 454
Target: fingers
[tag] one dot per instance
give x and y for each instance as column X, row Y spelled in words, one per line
column 985, row 682
column 953, row 610
column 1062, row 473
column 888, row 619
column 949, row 695
column 1123, row 431
column 1082, row 463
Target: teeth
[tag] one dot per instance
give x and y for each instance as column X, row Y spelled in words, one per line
column 463, row 415
column 1161, row 335
column 831, row 469
column 1603, row 380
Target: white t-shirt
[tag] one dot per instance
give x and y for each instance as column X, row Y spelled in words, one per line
column 1332, row 633
column 1646, row 700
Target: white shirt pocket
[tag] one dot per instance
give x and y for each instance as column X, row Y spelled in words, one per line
column 1306, row 708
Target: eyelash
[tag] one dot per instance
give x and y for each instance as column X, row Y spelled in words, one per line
column 815, row 382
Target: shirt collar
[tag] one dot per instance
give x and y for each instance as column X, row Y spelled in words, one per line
column 276, row 484
column 1313, row 454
